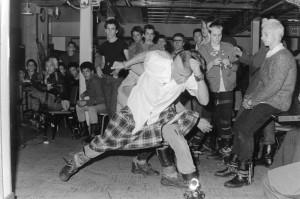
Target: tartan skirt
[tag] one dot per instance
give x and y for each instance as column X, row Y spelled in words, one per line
column 118, row 134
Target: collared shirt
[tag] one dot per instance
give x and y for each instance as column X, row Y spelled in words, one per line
column 156, row 90
column 277, row 48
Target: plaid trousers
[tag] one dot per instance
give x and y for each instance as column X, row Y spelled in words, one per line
column 118, row 134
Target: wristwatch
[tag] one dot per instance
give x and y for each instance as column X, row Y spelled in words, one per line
column 199, row 78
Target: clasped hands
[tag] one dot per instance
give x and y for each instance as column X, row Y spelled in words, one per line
column 222, row 63
column 247, row 104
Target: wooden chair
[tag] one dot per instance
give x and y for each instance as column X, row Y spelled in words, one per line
column 54, row 115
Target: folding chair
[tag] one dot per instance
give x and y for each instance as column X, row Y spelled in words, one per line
column 54, row 115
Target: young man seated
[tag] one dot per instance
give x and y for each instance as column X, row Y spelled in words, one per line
column 150, row 119
column 52, row 90
column 91, row 100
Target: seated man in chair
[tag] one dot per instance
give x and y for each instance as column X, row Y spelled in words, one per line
column 92, row 100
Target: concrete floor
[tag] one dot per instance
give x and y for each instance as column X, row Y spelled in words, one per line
column 108, row 177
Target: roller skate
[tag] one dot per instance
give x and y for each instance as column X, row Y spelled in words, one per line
column 194, row 191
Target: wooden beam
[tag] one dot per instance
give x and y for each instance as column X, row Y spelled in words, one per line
column 168, row 4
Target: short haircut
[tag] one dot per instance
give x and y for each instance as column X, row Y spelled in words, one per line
column 179, row 35
column 211, row 19
column 274, row 25
column 62, row 64
column 72, row 42
column 112, row 21
column 87, row 65
column 186, row 55
column 149, row 26
column 162, row 37
column 33, row 61
column 138, row 29
column 215, row 24
column 73, row 64
column 197, row 30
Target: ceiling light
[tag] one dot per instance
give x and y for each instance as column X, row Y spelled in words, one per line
column 293, row 20
column 189, row 17
column 27, row 10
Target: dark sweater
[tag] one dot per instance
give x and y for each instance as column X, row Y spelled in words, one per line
column 94, row 90
column 277, row 81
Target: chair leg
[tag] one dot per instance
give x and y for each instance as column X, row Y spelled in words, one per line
column 55, row 126
column 102, row 123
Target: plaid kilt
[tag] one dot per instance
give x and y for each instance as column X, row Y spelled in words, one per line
column 118, row 134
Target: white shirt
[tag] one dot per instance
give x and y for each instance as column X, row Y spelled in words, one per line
column 277, row 48
column 156, row 90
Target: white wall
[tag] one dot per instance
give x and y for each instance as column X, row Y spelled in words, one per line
column 5, row 160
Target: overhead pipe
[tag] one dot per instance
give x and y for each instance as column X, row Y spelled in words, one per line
column 272, row 7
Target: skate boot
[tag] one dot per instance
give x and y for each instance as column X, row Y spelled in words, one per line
column 74, row 125
column 193, row 191
column 231, row 168
column 72, row 166
column 84, row 131
column 243, row 176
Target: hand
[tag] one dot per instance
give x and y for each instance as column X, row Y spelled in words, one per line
column 226, row 63
column 49, row 87
column 299, row 97
column 247, row 104
column 217, row 61
column 82, row 96
column 204, row 125
column 238, row 51
column 118, row 65
column 195, row 66
column 81, row 103
column 115, row 73
column 99, row 72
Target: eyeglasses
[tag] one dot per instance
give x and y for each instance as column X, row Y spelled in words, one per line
column 177, row 40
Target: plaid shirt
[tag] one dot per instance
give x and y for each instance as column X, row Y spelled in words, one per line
column 118, row 134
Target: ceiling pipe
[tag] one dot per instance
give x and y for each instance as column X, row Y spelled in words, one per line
column 271, row 8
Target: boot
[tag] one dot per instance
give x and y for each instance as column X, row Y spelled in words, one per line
column 94, row 130
column 193, row 191
column 94, row 133
column 194, row 144
column 208, row 146
column 78, row 160
column 243, row 176
column 143, row 168
column 84, row 131
column 267, row 155
column 223, row 151
column 231, row 167
column 74, row 125
column 169, row 173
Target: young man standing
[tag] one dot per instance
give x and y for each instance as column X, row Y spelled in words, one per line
column 272, row 94
column 198, row 38
column 178, row 43
column 114, row 49
column 70, row 55
column 221, row 77
column 150, row 117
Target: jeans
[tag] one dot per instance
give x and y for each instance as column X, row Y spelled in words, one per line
column 223, row 113
column 269, row 133
column 248, row 122
column 92, row 111
column 110, row 88
column 268, row 129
